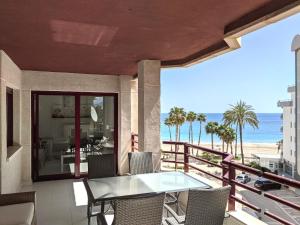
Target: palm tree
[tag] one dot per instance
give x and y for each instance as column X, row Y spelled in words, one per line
column 191, row 117
column 229, row 137
column 243, row 114
column 211, row 128
column 178, row 116
column 201, row 117
column 221, row 134
column 169, row 123
column 230, row 120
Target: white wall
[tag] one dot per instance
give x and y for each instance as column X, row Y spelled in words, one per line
column 288, row 134
column 10, row 177
column 17, row 169
column 70, row 82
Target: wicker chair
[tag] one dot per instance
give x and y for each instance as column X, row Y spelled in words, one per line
column 204, row 207
column 140, row 162
column 140, row 210
column 18, row 198
column 99, row 166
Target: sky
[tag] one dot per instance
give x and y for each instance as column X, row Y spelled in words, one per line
column 257, row 73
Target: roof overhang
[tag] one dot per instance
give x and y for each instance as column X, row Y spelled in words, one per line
column 234, row 32
column 111, row 36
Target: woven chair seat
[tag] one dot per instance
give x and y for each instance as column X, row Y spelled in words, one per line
column 173, row 221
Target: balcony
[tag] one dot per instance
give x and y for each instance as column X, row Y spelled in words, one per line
column 291, row 88
column 180, row 157
column 285, row 103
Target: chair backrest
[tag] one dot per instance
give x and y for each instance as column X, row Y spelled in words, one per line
column 207, row 206
column 140, row 162
column 142, row 210
column 101, row 166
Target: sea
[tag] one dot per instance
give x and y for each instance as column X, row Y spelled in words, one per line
column 268, row 131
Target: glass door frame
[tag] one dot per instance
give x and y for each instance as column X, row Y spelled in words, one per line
column 35, row 132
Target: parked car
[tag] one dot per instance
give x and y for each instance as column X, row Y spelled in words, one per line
column 243, row 178
column 265, row 184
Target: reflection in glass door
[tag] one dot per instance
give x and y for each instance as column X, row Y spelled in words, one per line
column 96, row 127
column 67, row 128
column 56, row 133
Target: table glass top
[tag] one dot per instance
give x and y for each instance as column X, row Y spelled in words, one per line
column 121, row 186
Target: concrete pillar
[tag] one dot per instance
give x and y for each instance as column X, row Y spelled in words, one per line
column 134, row 106
column 296, row 49
column 149, row 108
column 124, row 131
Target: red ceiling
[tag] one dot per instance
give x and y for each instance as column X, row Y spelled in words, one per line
column 111, row 36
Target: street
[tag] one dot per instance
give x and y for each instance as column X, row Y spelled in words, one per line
column 276, row 208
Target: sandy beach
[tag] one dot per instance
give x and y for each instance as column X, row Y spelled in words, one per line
column 249, row 148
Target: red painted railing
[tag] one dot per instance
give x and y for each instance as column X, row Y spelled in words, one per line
column 134, row 142
column 229, row 168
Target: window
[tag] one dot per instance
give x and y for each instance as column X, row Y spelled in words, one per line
column 291, row 124
column 291, row 110
column 9, row 116
column 291, row 152
column 291, row 138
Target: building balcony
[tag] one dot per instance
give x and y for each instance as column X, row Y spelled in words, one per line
column 291, row 88
column 285, row 103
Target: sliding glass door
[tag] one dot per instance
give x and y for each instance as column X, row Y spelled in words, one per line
column 67, row 128
column 96, row 127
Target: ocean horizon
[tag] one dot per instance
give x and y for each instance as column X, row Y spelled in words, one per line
column 268, row 131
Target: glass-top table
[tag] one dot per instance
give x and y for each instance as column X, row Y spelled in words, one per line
column 102, row 189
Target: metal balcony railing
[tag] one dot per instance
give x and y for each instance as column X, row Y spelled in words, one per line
column 229, row 168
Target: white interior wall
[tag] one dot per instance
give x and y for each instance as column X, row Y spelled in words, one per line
column 10, row 172
column 17, row 169
column 69, row 82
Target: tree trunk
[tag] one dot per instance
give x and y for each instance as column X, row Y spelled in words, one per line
column 199, row 138
column 223, row 146
column 170, row 136
column 179, row 134
column 192, row 134
column 177, row 137
column 189, row 133
column 231, row 148
column 192, row 139
column 227, row 147
column 241, row 143
column 199, row 134
column 236, row 139
column 176, row 131
column 212, row 141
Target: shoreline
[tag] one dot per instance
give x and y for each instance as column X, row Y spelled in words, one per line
column 249, row 148
column 244, row 143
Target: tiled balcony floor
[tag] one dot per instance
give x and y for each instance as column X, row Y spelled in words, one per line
column 61, row 202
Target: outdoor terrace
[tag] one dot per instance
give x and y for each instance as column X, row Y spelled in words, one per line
column 64, row 202
column 180, row 157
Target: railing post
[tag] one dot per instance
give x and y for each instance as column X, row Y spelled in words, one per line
column 225, row 171
column 231, row 176
column 186, row 158
column 132, row 143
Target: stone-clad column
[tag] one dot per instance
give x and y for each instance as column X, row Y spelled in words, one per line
column 124, row 123
column 296, row 49
column 149, row 108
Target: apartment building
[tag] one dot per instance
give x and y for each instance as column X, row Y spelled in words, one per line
column 288, row 155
